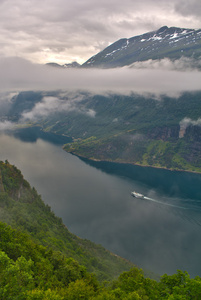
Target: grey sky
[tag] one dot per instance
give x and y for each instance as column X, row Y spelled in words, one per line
column 63, row 31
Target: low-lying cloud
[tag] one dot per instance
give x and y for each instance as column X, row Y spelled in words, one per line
column 181, row 64
column 50, row 105
column 6, row 125
column 18, row 74
column 5, row 101
column 188, row 122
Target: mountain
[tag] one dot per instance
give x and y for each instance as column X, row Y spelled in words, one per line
column 132, row 129
column 54, row 65
column 165, row 42
column 74, row 64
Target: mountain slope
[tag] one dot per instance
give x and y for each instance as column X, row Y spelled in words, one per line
column 22, row 208
column 129, row 129
column 165, row 42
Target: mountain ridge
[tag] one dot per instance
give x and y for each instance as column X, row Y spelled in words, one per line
column 73, row 64
column 165, row 42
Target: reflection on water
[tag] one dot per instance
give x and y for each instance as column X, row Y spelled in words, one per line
column 94, row 200
column 32, row 134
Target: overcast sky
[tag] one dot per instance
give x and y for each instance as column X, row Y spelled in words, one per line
column 63, row 31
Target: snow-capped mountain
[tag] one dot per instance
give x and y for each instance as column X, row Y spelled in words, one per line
column 167, row 42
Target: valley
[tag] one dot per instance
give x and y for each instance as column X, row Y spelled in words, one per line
column 85, row 138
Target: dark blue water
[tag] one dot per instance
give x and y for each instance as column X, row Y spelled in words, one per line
column 173, row 184
column 32, row 134
column 161, row 233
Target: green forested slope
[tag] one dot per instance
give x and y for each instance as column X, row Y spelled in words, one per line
column 22, row 208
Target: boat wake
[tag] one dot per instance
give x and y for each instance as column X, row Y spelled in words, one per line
column 191, row 203
column 164, row 203
column 189, row 211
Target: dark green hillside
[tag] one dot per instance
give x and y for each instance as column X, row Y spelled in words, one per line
column 24, row 101
column 22, row 208
column 142, row 131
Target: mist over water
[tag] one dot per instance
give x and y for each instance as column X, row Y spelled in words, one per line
column 160, row 233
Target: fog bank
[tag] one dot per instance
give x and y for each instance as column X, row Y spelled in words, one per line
column 18, row 74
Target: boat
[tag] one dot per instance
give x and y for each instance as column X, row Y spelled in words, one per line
column 137, row 195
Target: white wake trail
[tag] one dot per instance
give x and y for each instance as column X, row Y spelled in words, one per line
column 164, row 203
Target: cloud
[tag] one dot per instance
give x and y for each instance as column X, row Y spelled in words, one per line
column 187, row 122
column 62, row 31
column 19, row 74
column 50, row 105
column 5, row 101
column 188, row 8
column 181, row 64
column 6, row 125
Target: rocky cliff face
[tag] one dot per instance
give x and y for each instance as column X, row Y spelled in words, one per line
column 164, row 133
column 193, row 133
column 13, row 183
column 192, row 138
column 1, row 183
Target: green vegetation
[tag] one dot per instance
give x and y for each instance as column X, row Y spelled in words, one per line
column 137, row 149
column 23, row 209
column 37, row 258
column 31, row 271
column 143, row 131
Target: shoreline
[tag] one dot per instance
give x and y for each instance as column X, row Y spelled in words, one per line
column 134, row 164
column 108, row 160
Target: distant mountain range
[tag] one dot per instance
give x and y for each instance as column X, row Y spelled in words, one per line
column 172, row 43
column 74, row 64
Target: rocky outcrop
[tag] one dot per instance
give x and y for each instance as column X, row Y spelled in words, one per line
column 1, row 183
column 163, row 133
column 193, row 133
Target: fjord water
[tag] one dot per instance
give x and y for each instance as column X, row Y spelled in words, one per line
column 161, row 233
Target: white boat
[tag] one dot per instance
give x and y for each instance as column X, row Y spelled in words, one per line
column 137, row 195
